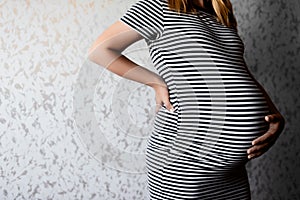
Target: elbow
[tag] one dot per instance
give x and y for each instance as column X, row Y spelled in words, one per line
column 91, row 58
column 94, row 54
column 102, row 55
column 91, row 55
column 95, row 50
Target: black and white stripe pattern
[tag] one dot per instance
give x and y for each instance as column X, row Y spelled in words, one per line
column 199, row 150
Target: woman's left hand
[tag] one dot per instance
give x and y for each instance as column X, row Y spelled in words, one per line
column 261, row 144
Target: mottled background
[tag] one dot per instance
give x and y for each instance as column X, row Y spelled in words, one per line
column 48, row 147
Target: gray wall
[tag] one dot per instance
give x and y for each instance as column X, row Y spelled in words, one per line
column 63, row 120
column 271, row 32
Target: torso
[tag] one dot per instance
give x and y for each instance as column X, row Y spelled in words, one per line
column 219, row 108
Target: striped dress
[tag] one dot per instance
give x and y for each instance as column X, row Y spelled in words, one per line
column 199, row 151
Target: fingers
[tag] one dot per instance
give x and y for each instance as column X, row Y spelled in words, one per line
column 277, row 117
column 162, row 98
column 271, row 118
column 258, row 150
column 168, row 105
column 274, row 127
column 166, row 101
column 271, row 133
column 264, row 142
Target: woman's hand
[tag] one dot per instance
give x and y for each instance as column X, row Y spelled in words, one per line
column 264, row 142
column 162, row 97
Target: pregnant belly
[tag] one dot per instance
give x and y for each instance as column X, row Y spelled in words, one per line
column 212, row 128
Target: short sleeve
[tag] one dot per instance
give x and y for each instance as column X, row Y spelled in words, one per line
column 145, row 17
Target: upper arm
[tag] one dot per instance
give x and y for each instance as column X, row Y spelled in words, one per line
column 143, row 20
column 117, row 36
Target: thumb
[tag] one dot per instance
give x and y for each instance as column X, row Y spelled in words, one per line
column 169, row 106
column 270, row 118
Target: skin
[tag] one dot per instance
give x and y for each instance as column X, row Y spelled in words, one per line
column 119, row 36
column 199, row 3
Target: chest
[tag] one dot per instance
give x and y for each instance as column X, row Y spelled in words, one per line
column 190, row 30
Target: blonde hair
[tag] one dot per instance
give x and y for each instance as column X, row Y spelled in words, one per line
column 222, row 9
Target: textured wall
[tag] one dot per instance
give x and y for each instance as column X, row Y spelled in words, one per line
column 64, row 122
column 271, row 32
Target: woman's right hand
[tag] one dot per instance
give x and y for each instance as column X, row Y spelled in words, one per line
column 162, row 97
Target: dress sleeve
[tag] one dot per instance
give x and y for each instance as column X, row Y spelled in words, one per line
column 145, row 17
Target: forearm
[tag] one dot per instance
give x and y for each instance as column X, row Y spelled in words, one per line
column 119, row 64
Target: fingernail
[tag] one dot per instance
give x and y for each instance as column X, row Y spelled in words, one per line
column 266, row 118
column 172, row 110
column 249, row 157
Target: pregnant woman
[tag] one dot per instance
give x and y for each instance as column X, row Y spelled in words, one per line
column 212, row 116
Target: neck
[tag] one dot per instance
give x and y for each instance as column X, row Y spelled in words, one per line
column 199, row 3
column 204, row 6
